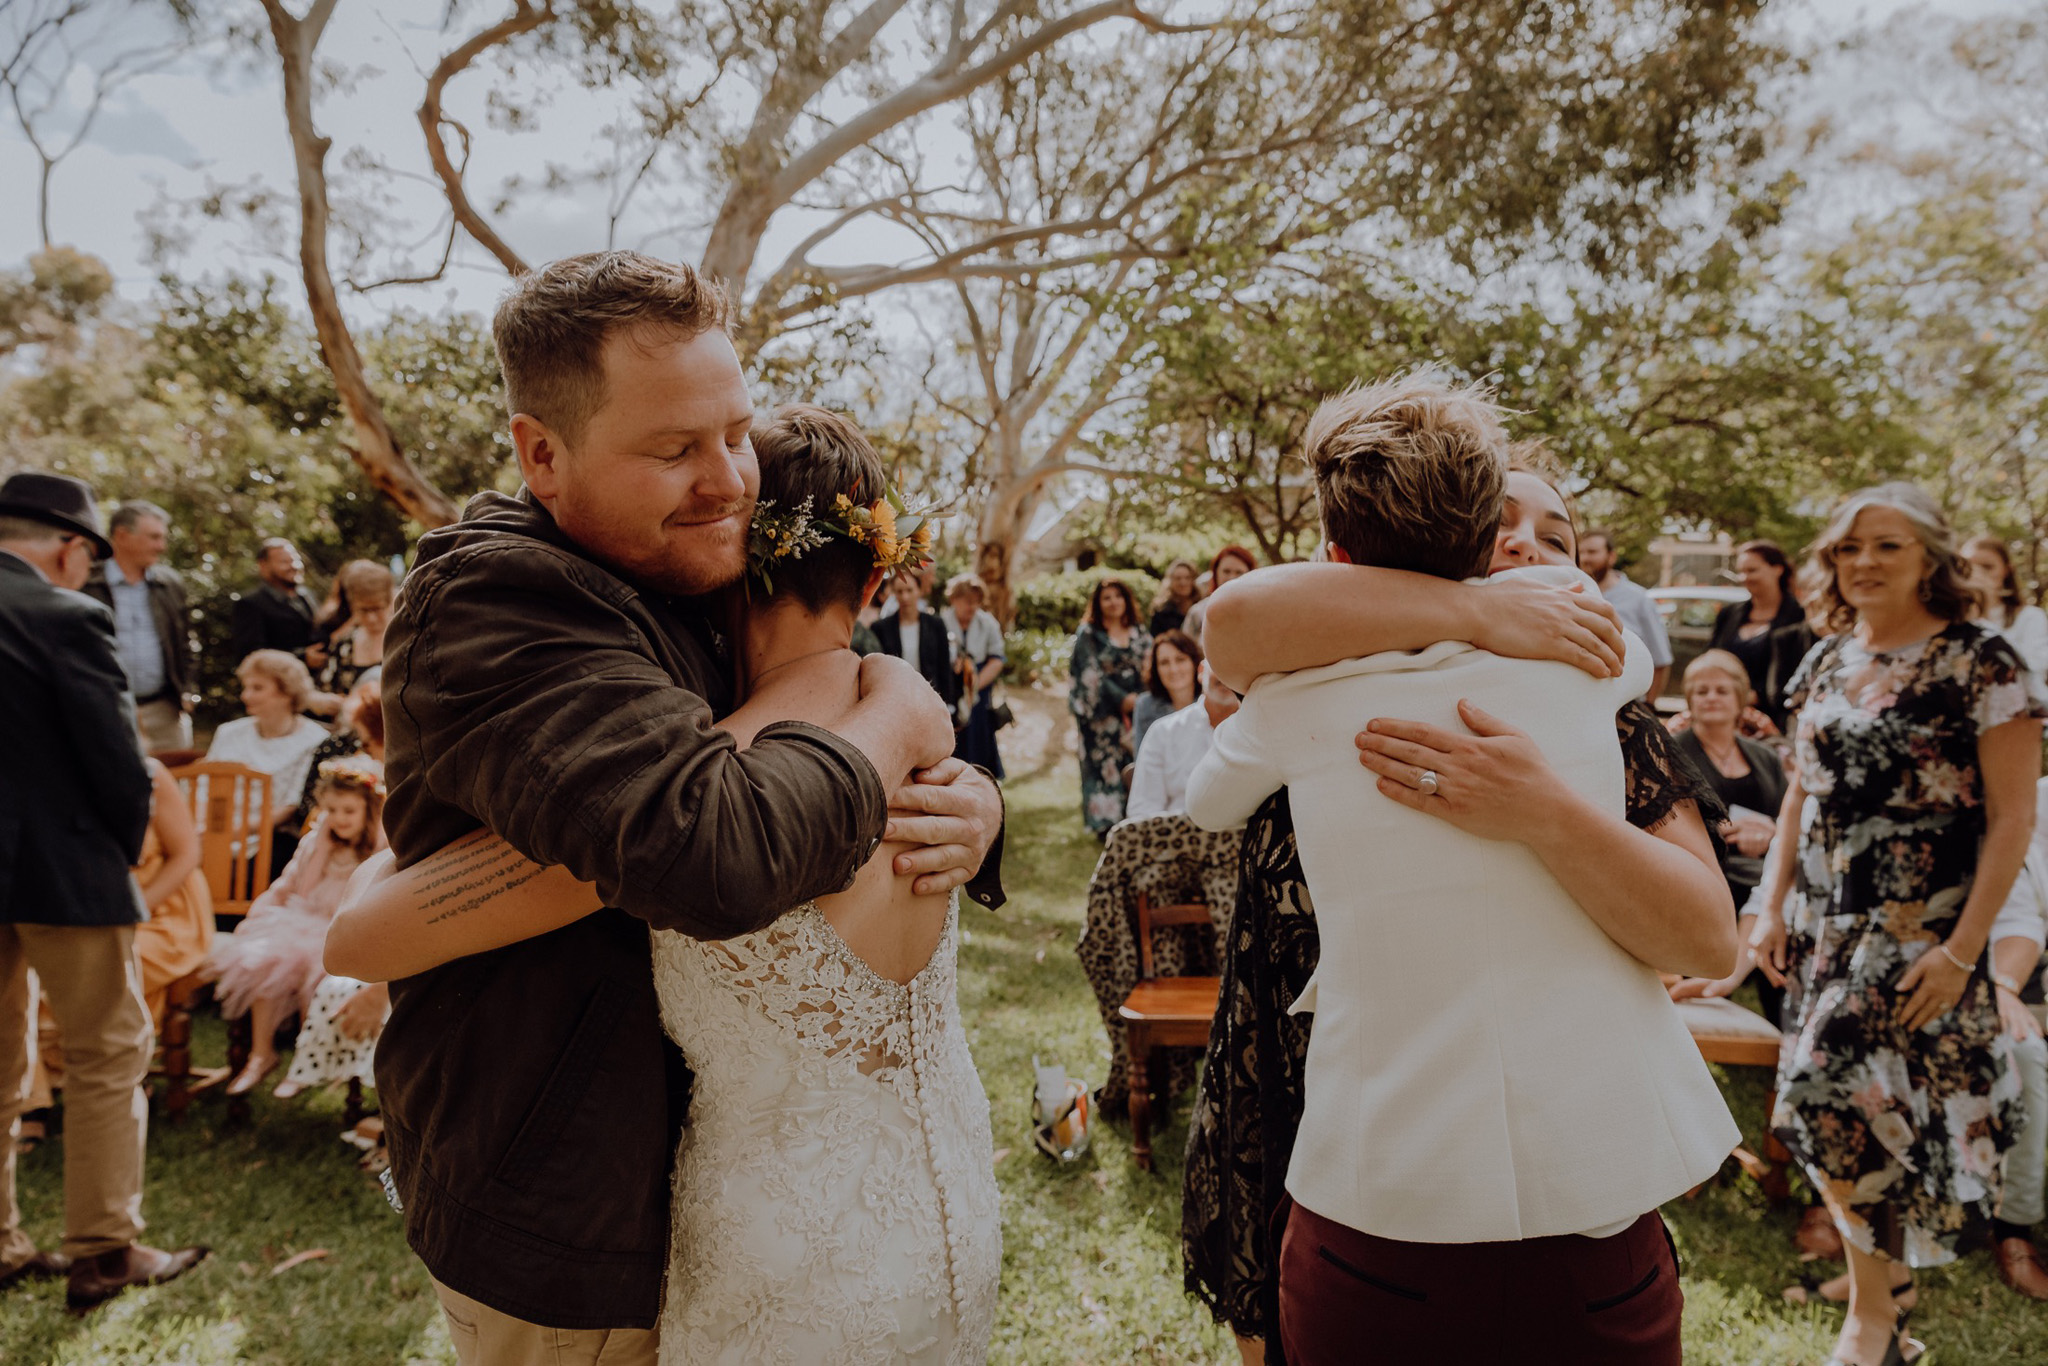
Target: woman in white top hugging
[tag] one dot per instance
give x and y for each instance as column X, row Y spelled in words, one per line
column 1499, row 1094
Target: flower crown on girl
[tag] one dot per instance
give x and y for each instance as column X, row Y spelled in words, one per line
column 894, row 534
column 339, row 775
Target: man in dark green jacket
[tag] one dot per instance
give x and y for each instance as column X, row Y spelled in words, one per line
column 552, row 674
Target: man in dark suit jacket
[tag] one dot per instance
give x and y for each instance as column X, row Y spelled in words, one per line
column 152, row 623
column 278, row 615
column 934, row 647
column 74, row 807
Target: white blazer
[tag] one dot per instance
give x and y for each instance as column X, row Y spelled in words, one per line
column 1486, row 1064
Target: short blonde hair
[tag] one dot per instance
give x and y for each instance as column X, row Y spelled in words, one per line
column 287, row 672
column 1946, row 591
column 1410, row 473
column 965, row 583
column 1721, row 662
column 367, row 581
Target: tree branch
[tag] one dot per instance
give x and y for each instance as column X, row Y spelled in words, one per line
column 524, row 18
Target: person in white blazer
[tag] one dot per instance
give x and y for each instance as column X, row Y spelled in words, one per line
column 1489, row 1069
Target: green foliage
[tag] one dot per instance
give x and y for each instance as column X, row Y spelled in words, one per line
column 1057, row 602
column 1037, row 656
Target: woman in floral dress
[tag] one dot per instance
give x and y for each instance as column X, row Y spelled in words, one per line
column 1918, row 737
column 1107, row 649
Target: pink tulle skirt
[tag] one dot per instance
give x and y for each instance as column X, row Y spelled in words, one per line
column 274, row 955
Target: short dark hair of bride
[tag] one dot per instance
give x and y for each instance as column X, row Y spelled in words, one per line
column 809, row 452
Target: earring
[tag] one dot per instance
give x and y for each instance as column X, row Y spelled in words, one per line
column 1926, row 588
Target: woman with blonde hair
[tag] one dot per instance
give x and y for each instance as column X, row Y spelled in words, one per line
column 2003, row 607
column 1918, row 742
column 276, row 738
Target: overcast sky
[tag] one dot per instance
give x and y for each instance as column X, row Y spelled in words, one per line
column 171, row 135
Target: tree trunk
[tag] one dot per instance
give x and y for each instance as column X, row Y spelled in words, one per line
column 375, row 450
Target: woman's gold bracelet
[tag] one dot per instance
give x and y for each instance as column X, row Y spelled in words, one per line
column 1952, row 958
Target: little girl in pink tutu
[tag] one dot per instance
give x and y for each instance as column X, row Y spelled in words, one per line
column 270, row 965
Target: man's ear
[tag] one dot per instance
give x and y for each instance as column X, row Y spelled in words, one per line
column 540, row 455
column 1337, row 554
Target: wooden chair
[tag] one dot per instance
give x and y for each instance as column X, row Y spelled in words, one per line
column 236, row 862
column 1162, row 1012
column 1728, row 1034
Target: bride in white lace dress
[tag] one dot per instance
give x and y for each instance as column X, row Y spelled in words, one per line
column 835, row 1200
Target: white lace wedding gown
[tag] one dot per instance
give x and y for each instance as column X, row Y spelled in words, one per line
column 835, row 1197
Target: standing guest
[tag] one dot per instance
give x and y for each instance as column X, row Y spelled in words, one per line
column 151, row 621
column 1159, row 785
column 357, row 644
column 977, row 644
column 278, row 614
column 178, row 934
column 1231, row 562
column 1919, row 739
column 275, row 738
column 1749, row 779
column 1630, row 599
column 2004, row 608
column 1177, row 597
column 914, row 634
column 1173, row 680
column 74, row 810
column 992, row 567
column 1769, row 632
column 269, row 967
column 1104, row 694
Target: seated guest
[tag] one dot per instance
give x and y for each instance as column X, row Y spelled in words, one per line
column 270, row 966
column 1169, row 688
column 1491, row 1129
column 171, row 943
column 274, row 738
column 360, row 730
column 915, row 635
column 1179, row 741
column 1231, row 562
column 1177, row 597
column 977, row 645
column 1747, row 776
column 2017, row 940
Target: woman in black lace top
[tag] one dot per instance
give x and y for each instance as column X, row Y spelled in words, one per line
column 1241, row 1133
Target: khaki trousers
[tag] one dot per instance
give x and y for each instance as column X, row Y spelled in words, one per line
column 164, row 725
column 94, row 988
column 485, row 1337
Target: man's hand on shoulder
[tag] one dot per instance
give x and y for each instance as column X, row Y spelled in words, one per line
column 954, row 813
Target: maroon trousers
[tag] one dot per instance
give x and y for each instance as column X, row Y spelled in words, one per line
column 1350, row 1299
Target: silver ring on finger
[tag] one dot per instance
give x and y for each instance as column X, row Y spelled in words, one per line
column 1428, row 783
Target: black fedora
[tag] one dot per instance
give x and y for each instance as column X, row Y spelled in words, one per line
column 57, row 500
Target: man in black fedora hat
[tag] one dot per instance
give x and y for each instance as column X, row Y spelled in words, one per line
column 74, row 806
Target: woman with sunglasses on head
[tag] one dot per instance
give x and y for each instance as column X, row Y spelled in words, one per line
column 1289, row 617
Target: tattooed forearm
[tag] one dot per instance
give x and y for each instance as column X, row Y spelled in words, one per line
column 469, row 873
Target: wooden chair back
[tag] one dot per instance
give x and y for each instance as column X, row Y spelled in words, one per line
column 1183, row 913
column 234, row 851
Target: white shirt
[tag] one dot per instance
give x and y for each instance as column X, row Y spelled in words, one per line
column 1638, row 611
column 286, row 758
column 1486, row 1064
column 1174, row 745
column 912, row 630
column 2025, row 912
column 2027, row 633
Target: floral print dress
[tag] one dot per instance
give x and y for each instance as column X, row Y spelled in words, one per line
column 1907, row 1128
column 1104, row 673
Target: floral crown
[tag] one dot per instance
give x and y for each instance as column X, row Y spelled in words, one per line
column 344, row 775
column 894, row 534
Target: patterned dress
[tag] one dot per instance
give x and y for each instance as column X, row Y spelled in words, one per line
column 1104, row 673
column 1907, row 1127
column 1248, row 1104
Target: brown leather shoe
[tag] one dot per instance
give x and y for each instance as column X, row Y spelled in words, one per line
column 2019, row 1266
column 95, row 1280
column 42, row 1266
column 1817, row 1238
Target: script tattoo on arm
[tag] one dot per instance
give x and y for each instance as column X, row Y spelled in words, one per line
column 470, row 873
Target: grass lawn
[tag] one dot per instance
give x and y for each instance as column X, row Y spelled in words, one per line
column 1091, row 1268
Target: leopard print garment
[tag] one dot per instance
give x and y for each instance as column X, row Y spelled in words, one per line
column 1248, row 1105
column 1171, row 861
